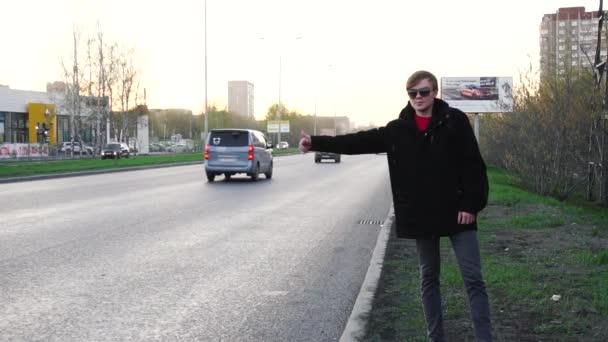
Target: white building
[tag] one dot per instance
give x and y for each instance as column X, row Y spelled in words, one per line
column 568, row 38
column 240, row 98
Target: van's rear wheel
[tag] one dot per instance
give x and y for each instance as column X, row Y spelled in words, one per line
column 255, row 174
column 269, row 173
column 210, row 176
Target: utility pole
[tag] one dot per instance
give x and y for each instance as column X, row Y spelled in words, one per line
column 602, row 124
column 601, row 128
column 604, row 159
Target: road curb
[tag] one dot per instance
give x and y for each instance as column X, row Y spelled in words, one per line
column 92, row 172
column 355, row 327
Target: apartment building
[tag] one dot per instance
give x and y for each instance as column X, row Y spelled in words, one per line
column 568, row 38
column 240, row 98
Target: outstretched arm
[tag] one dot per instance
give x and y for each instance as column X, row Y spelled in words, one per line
column 370, row 141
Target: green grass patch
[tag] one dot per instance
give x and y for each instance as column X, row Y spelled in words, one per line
column 29, row 168
column 537, row 220
column 589, row 258
column 554, row 248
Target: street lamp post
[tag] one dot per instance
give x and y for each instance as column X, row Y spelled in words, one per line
column 314, row 130
column 206, row 105
column 279, row 108
column 332, row 70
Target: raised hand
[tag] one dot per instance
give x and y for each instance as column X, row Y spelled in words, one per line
column 305, row 142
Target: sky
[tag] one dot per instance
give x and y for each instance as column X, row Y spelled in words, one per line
column 332, row 57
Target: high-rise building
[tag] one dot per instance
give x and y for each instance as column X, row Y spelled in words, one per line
column 240, row 98
column 568, row 38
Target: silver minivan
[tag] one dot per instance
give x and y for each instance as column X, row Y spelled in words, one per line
column 231, row 151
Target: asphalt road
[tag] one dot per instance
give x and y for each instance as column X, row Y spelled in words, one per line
column 163, row 255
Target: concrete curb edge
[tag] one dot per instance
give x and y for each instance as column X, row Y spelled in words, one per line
column 355, row 327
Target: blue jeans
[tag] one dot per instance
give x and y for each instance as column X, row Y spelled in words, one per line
column 466, row 249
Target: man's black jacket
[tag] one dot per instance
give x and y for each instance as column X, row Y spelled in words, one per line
column 434, row 174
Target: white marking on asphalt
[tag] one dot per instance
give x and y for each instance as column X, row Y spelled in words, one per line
column 276, row 293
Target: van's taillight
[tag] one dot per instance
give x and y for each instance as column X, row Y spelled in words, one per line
column 250, row 152
column 206, row 152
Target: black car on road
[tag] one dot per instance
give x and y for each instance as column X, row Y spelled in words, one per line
column 115, row 151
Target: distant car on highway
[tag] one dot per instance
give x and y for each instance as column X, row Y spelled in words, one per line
column 233, row 151
column 115, row 151
column 319, row 156
column 472, row 91
column 282, row 145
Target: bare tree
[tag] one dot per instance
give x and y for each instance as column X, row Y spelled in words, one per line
column 103, row 68
column 72, row 102
column 107, row 79
column 127, row 92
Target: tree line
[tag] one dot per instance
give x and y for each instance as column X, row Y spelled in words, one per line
column 556, row 139
column 167, row 122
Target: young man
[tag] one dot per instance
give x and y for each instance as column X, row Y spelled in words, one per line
column 439, row 185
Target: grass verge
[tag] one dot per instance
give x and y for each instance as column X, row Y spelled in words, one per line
column 533, row 247
column 31, row 168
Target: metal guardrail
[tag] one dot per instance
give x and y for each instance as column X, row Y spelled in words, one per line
column 65, row 157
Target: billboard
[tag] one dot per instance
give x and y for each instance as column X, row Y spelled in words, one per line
column 272, row 126
column 478, row 94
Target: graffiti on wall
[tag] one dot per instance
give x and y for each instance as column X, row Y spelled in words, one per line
column 8, row 150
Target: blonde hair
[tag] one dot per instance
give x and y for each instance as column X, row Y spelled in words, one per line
column 419, row 76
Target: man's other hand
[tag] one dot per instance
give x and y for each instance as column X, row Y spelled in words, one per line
column 465, row 218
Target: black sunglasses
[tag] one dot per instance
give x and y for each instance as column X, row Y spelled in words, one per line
column 424, row 92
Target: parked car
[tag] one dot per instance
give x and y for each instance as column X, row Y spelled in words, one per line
column 155, row 147
column 115, row 151
column 472, row 91
column 282, row 145
column 66, row 148
column 133, row 147
column 234, row 151
column 319, row 156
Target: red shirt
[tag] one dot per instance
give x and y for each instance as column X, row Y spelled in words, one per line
column 422, row 122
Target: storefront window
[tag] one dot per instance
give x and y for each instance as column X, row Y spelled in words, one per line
column 19, row 129
column 63, row 129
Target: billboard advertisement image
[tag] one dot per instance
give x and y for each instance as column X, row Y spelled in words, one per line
column 478, row 94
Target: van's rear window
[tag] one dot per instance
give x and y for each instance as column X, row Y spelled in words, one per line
column 229, row 139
